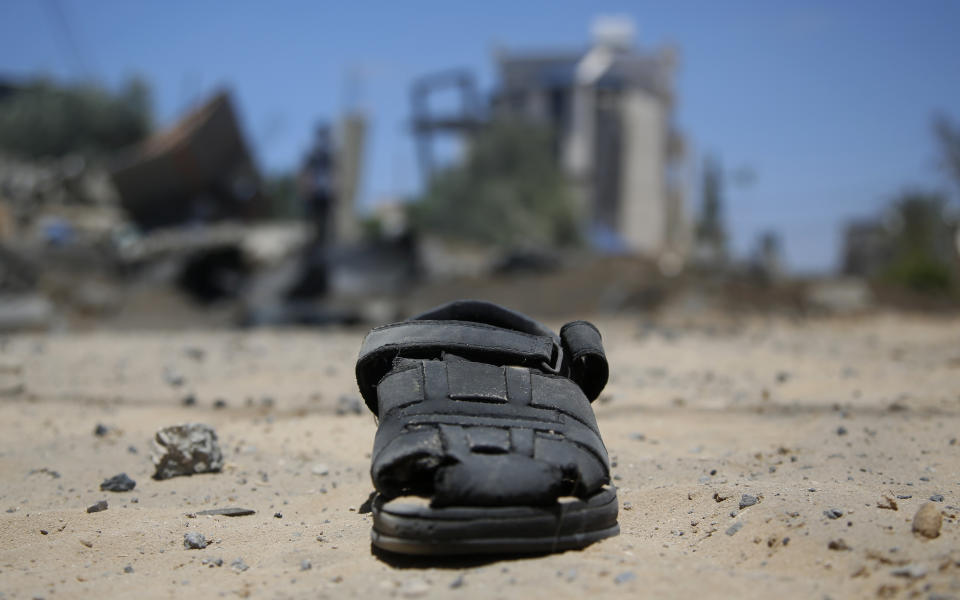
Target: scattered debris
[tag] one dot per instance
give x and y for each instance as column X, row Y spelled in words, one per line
column 833, row 513
column 748, row 500
column 912, row 571
column 887, row 503
column 101, row 506
column 44, row 470
column 185, row 450
column 733, row 529
column 118, row 483
column 927, row 521
column 227, row 512
column 625, row 577
column 194, row 541
column 212, row 562
column 239, row 566
column 172, row 377
column 838, row 544
column 719, row 498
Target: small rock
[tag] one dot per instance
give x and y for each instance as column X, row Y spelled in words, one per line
column 457, row 582
column 927, row 521
column 838, row 544
column 841, row 430
column 185, row 450
column 98, row 507
column 747, row 500
column 101, row 430
column 887, row 503
column 213, row 562
column 733, row 529
column 239, row 566
column 87, row 543
column 305, row 565
column 320, row 469
column 172, row 377
column 833, row 513
column 910, row 571
column 219, row 403
column 937, row 498
column 189, row 400
column 277, row 515
column 625, row 577
column 118, row 483
column 128, row 569
column 194, row 541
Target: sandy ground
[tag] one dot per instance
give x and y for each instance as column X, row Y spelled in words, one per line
column 807, row 416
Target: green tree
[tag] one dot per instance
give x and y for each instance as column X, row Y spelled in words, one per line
column 45, row 119
column 509, row 192
column 922, row 242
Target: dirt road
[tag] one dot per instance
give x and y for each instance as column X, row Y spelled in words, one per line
column 839, row 429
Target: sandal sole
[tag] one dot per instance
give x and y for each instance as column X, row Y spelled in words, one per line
column 407, row 528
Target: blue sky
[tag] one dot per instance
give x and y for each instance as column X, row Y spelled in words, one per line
column 828, row 102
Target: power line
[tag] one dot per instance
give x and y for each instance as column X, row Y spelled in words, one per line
column 66, row 40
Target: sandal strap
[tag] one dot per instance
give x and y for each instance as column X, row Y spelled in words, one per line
column 585, row 359
column 427, row 339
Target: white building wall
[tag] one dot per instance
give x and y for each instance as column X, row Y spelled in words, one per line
column 643, row 209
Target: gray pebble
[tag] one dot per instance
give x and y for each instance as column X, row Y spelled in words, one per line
column 747, row 500
column 457, row 583
column 98, row 507
column 910, row 571
column 194, row 541
column 625, row 577
column 239, row 566
column 118, row 483
column 733, row 529
column 305, row 565
column 128, row 569
column 937, row 497
column 833, row 513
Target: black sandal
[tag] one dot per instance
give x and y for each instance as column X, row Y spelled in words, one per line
column 487, row 414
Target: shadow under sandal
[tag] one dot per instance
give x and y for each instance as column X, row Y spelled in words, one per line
column 487, row 441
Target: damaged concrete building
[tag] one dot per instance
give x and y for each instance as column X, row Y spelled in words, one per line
column 612, row 106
